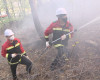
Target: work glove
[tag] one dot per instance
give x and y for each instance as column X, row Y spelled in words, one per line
column 27, row 57
column 13, row 55
column 47, row 44
column 63, row 37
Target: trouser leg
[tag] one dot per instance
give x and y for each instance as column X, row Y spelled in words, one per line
column 26, row 62
column 66, row 52
column 56, row 62
column 13, row 70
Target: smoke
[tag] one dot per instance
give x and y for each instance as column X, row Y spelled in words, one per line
column 79, row 12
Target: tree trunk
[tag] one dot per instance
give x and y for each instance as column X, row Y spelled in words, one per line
column 7, row 11
column 12, row 8
column 36, row 19
column 22, row 3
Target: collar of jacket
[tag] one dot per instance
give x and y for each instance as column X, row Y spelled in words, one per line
column 67, row 23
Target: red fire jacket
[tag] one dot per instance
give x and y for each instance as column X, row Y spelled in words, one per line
column 9, row 48
column 58, row 31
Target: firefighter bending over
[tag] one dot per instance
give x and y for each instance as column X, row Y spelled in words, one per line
column 12, row 49
column 59, row 28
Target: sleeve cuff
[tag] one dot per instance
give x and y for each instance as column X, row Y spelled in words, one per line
column 47, row 38
column 24, row 53
column 7, row 55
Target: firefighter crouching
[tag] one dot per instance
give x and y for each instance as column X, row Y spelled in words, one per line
column 13, row 50
column 59, row 28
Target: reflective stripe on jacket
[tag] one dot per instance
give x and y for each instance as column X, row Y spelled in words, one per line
column 58, row 31
column 9, row 48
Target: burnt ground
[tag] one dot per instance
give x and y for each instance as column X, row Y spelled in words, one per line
column 84, row 62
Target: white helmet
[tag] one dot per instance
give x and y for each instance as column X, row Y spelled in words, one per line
column 60, row 11
column 8, row 32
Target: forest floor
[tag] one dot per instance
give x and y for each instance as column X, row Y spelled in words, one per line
column 83, row 64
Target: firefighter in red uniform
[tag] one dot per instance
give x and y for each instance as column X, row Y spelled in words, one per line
column 12, row 49
column 59, row 28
